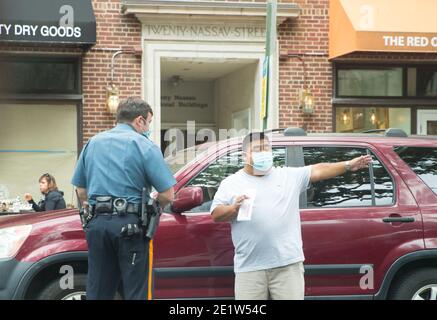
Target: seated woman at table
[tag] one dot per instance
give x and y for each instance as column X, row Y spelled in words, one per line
column 53, row 198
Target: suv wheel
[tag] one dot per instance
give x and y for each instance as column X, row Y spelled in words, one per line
column 416, row 285
column 53, row 290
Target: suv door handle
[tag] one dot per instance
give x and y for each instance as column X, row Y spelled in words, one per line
column 398, row 219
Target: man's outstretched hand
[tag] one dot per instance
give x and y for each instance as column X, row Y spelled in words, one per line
column 360, row 162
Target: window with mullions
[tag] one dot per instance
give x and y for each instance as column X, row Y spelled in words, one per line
column 361, row 119
column 362, row 82
column 353, row 189
column 39, row 76
column 427, row 81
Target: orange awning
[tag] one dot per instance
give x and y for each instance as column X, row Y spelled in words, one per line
column 382, row 25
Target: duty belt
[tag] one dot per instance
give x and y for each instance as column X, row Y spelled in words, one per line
column 116, row 206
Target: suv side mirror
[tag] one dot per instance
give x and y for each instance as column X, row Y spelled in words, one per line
column 187, row 199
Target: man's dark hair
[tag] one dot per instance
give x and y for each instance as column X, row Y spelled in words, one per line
column 131, row 108
column 254, row 136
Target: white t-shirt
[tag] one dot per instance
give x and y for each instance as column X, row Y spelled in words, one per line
column 272, row 238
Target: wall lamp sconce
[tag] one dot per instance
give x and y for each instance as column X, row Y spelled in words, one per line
column 307, row 101
column 306, row 98
column 112, row 91
column 112, row 98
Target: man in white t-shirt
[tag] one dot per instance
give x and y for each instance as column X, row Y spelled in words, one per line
column 268, row 259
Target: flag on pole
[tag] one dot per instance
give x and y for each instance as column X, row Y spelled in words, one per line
column 267, row 67
column 264, row 85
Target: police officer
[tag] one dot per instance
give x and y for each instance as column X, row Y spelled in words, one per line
column 118, row 164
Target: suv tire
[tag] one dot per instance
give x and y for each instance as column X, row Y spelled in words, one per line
column 53, row 290
column 418, row 285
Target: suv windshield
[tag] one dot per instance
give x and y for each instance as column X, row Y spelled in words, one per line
column 423, row 161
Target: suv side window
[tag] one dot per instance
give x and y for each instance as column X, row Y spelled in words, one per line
column 351, row 189
column 210, row 178
column 423, row 161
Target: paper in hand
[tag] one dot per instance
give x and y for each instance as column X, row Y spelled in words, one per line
column 245, row 212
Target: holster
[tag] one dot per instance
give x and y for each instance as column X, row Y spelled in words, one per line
column 150, row 217
column 85, row 216
column 104, row 205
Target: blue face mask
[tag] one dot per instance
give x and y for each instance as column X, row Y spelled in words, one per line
column 262, row 161
column 147, row 134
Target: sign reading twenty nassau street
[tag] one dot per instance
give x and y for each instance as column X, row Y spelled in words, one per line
column 210, row 32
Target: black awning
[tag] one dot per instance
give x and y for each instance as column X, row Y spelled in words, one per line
column 48, row 21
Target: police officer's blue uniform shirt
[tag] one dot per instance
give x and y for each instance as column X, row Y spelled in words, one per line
column 119, row 163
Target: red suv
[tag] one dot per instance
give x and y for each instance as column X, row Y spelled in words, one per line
column 370, row 234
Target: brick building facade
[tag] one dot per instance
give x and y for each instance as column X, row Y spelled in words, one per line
column 306, row 36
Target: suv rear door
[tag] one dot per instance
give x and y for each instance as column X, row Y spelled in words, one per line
column 419, row 170
column 349, row 223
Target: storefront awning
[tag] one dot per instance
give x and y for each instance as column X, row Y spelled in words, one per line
column 385, row 26
column 48, row 21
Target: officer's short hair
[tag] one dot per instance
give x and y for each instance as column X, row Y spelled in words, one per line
column 131, row 108
column 254, row 136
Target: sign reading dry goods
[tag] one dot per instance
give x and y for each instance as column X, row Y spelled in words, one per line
column 25, row 30
column 52, row 21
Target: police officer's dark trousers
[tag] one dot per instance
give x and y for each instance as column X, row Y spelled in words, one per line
column 113, row 258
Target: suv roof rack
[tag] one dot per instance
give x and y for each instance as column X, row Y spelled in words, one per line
column 390, row 132
column 273, row 130
column 294, row 132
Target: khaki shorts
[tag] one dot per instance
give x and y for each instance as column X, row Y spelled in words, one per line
column 283, row 283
